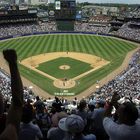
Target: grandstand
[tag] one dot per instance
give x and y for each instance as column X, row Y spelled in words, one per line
column 98, row 24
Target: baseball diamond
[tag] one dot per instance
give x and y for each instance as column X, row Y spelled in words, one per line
column 79, row 65
column 68, row 64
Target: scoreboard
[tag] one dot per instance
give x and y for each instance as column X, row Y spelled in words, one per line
column 65, row 9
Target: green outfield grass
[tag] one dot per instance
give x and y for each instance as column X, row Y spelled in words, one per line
column 76, row 67
column 109, row 49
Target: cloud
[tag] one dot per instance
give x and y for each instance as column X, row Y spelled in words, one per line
column 112, row 1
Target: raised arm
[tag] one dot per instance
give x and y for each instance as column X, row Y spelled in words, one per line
column 112, row 103
column 15, row 111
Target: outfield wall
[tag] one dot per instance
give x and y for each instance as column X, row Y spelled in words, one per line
column 41, row 33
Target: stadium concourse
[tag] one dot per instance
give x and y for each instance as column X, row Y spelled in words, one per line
column 46, row 113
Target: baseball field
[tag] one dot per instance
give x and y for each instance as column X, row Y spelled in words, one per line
column 67, row 64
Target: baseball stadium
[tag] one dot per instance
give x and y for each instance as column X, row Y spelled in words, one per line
column 69, row 70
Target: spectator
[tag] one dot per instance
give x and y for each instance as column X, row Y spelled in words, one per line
column 82, row 110
column 127, row 127
column 74, row 125
column 97, row 121
column 55, row 133
column 44, row 121
column 39, row 105
column 57, row 113
column 28, row 130
column 91, row 107
column 2, row 115
column 15, row 111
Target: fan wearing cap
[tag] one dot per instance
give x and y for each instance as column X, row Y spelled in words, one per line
column 74, row 126
column 58, row 113
column 55, row 133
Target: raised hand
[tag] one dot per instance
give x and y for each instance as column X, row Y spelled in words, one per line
column 10, row 55
column 15, row 110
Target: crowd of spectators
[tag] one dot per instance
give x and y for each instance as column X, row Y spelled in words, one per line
column 125, row 31
column 135, row 13
column 90, row 27
column 129, row 33
column 100, row 19
column 127, row 84
column 28, row 28
column 5, row 88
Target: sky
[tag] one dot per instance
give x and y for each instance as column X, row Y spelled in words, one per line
column 111, row 1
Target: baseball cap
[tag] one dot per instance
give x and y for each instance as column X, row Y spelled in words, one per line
column 92, row 102
column 73, row 123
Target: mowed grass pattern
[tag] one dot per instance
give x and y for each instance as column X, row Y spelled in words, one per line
column 111, row 49
column 76, row 67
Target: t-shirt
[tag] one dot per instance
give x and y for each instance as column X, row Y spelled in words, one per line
column 55, row 133
column 87, row 137
column 121, row 131
column 97, row 116
column 29, row 131
column 39, row 106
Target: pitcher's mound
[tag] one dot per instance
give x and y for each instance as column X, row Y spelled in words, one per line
column 64, row 67
column 64, row 84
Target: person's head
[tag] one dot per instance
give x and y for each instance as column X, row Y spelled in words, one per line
column 91, row 107
column 56, row 107
column 37, row 98
column 74, row 102
column 82, row 105
column 57, row 99
column 127, row 113
column 27, row 114
column 56, row 118
column 73, row 124
column 29, row 101
column 100, row 103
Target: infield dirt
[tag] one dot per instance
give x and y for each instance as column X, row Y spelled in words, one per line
column 94, row 61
